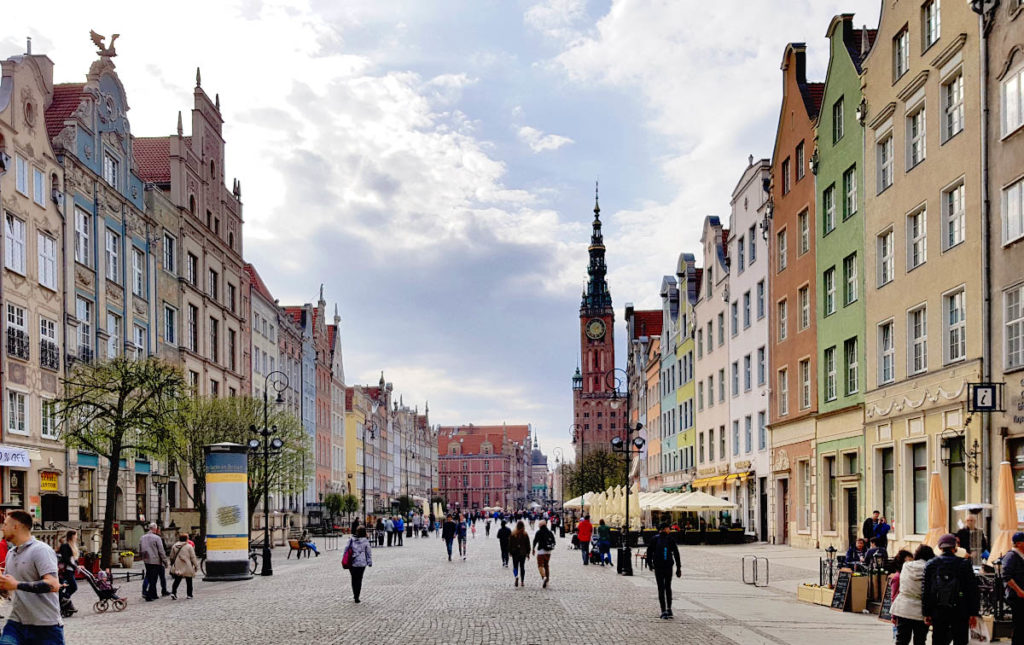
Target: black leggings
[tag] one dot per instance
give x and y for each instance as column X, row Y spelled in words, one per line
column 664, row 578
column 519, row 566
column 188, row 584
column 357, row 580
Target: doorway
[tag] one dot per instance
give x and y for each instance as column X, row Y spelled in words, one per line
column 852, row 516
column 784, row 511
column 762, row 501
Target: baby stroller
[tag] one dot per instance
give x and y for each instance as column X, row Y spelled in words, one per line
column 106, row 593
column 595, row 553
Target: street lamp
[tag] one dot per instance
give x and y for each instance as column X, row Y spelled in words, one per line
column 576, row 431
column 559, row 463
column 160, row 481
column 635, row 446
column 268, row 445
column 372, row 430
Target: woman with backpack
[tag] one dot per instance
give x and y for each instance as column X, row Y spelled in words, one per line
column 183, row 565
column 907, row 613
column 356, row 558
column 519, row 549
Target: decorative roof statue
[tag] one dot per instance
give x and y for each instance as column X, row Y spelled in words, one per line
column 103, row 50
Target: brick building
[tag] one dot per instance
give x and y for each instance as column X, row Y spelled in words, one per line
column 482, row 466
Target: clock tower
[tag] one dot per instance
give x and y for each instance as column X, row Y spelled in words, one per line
column 595, row 421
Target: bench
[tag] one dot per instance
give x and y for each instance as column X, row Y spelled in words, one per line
column 298, row 548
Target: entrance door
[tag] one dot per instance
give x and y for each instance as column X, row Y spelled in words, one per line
column 762, row 500
column 784, row 505
column 851, row 515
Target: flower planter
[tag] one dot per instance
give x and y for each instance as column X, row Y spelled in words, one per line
column 824, row 596
column 807, row 593
column 127, row 561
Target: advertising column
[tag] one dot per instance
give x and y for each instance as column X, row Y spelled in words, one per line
column 227, row 517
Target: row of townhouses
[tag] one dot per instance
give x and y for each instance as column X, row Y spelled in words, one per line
column 831, row 345
column 116, row 244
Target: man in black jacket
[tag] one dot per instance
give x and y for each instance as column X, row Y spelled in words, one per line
column 868, row 529
column 1013, row 578
column 503, row 534
column 543, row 546
column 448, row 530
column 661, row 554
column 950, row 602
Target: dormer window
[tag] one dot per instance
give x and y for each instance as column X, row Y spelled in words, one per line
column 110, row 171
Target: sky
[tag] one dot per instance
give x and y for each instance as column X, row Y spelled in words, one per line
column 433, row 163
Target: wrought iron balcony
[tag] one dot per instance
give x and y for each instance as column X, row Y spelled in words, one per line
column 17, row 343
column 49, row 355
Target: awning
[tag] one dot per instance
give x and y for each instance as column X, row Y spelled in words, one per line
column 709, row 481
column 12, row 457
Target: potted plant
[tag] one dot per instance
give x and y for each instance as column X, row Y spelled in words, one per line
column 127, row 559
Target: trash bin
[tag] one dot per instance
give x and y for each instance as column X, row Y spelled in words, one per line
column 624, row 565
column 408, row 530
column 561, row 531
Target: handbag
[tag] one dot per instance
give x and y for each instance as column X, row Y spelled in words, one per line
column 346, row 558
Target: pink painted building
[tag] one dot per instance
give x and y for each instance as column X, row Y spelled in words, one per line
column 482, row 466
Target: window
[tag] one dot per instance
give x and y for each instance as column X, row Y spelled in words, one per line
column 232, row 306
column 721, row 328
column 805, row 233
column 170, row 324
column 828, row 204
column 740, row 248
column 830, row 374
column 919, row 488
column 805, row 384
column 886, row 262
column 930, row 22
column 762, row 430
column 953, row 106
column 232, row 342
column 700, row 343
column 17, row 413
column 900, row 54
column 734, row 318
column 1013, row 211
column 49, row 351
column 760, row 299
column 852, row 366
column 915, row 137
column 785, row 176
column 804, row 471
column 735, row 437
column 711, row 444
column 850, row 279
column 1013, row 101
column 887, row 351
column 917, row 239
column 829, row 285
column 711, row 338
column 747, row 369
column 48, row 416
column 721, row 385
column 953, row 215
column 829, row 466
column 170, row 253
column 752, row 243
column 83, row 312
column 700, row 395
column 110, row 173
column 214, row 339
column 113, row 266
column 213, row 288
column 82, row 230
column 838, row 124
column 917, row 325
column 139, row 338
column 781, row 246
column 804, row 297
column 138, row 272
column 700, row 446
column 22, row 175
column 1013, row 319
column 113, row 335
column 47, row 249
column 17, row 334
column 783, row 392
column 735, row 378
column 761, row 365
column 956, row 326
column 800, row 163
column 39, row 187
column 86, row 493
column 746, row 310
column 888, row 482
column 782, row 319
column 193, row 328
column 14, row 247
column 721, row 441
column 850, row 192
column 884, row 149
column 192, row 269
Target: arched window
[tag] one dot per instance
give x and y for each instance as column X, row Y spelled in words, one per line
column 213, row 170
column 192, row 204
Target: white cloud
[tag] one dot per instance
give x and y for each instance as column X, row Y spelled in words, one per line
column 560, row 20
column 539, row 142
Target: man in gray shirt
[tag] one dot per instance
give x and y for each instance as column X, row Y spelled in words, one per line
column 32, row 575
column 152, row 547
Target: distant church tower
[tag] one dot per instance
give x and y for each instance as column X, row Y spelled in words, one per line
column 595, row 420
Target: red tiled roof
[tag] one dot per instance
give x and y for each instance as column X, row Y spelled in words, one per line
column 332, row 331
column 646, row 323
column 812, row 98
column 254, row 276
column 698, row 275
column 66, row 98
column 153, row 158
column 295, row 313
column 349, row 395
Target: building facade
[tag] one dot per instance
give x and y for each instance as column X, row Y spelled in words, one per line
column 482, row 466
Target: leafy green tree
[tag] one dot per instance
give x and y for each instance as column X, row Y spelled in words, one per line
column 599, row 471
column 404, row 505
column 332, row 502
column 119, row 409
column 349, row 504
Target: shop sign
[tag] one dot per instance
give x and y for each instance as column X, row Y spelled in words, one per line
column 49, row 481
column 11, row 457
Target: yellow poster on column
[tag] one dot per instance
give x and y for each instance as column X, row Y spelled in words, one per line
column 49, row 482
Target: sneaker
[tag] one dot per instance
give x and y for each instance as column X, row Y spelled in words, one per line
column 188, row 597
column 517, row 582
column 663, row 616
column 668, row 614
column 164, row 594
column 545, row 585
column 174, row 596
column 357, row 600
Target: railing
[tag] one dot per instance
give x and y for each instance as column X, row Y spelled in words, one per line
column 85, row 354
column 17, row 343
column 49, row 355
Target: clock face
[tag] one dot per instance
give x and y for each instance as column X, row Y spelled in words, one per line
column 595, row 329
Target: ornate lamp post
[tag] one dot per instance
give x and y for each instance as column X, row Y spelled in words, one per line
column 268, row 445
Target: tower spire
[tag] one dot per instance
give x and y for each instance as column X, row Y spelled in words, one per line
column 597, row 299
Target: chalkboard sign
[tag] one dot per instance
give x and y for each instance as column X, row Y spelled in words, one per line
column 884, row 612
column 842, row 590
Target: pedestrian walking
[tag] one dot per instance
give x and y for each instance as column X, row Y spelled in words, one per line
column 184, row 565
column 604, row 542
column 1013, row 577
column 503, row 534
column 67, row 565
column 380, row 531
column 448, row 532
column 519, row 549
column 950, row 603
column 389, row 528
column 487, row 528
column 907, row 611
column 543, row 545
column 151, row 546
column 473, row 529
column 584, row 530
column 399, row 531
column 661, row 554
column 34, row 615
column 463, row 530
column 361, row 558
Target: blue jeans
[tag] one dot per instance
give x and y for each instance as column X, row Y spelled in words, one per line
column 17, row 634
column 585, row 550
column 448, row 543
column 153, row 573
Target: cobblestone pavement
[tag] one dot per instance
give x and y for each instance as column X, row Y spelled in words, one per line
column 414, row 595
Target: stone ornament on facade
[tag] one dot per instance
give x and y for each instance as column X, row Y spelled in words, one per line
column 899, row 406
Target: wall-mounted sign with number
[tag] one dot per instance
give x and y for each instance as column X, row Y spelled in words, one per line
column 985, row 397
